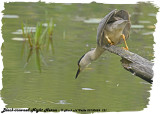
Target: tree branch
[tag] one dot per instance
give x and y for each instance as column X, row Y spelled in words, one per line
column 134, row 63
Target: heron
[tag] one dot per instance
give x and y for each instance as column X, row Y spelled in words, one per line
column 113, row 29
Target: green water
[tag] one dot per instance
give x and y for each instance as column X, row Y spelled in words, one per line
column 104, row 85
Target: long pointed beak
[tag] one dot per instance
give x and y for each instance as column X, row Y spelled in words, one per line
column 78, row 71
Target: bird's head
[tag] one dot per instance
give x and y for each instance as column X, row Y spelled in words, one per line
column 82, row 63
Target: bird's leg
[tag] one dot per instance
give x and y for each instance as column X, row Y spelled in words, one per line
column 123, row 36
column 109, row 41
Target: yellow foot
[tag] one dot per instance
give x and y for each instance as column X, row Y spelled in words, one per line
column 109, row 41
column 126, row 47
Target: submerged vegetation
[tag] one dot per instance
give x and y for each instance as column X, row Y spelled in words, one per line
column 38, row 38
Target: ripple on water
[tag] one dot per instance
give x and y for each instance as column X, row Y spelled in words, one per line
column 62, row 102
column 26, row 30
column 92, row 20
column 143, row 21
column 137, row 26
column 10, row 16
column 87, row 89
column 19, row 39
column 148, row 33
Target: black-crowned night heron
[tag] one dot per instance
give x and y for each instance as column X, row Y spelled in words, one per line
column 113, row 29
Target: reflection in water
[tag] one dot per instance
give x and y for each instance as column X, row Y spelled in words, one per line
column 26, row 30
column 144, row 83
column 137, row 26
column 19, row 31
column 38, row 60
column 106, row 85
column 152, row 14
column 87, row 89
column 78, row 18
column 62, row 102
column 92, row 20
column 37, row 42
column 107, row 81
column 19, row 39
column 148, row 33
column 144, row 21
column 10, row 16
column 27, row 72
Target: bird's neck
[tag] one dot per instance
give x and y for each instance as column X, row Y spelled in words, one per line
column 95, row 53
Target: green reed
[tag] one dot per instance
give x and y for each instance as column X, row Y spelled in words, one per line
column 38, row 39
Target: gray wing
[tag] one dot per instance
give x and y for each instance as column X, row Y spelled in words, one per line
column 124, row 15
column 102, row 25
column 111, row 17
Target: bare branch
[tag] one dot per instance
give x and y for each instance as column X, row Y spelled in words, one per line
column 134, row 63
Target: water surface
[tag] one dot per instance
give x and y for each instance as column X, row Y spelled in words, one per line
column 103, row 85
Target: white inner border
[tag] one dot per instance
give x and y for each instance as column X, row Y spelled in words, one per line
column 154, row 103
